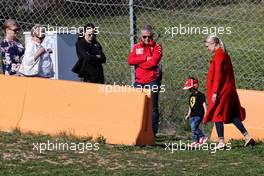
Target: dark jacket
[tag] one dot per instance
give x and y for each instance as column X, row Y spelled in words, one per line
column 89, row 64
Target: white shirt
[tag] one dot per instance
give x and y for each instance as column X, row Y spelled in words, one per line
column 42, row 66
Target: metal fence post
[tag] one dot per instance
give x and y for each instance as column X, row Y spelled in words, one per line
column 133, row 33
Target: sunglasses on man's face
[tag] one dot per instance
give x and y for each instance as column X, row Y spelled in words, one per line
column 15, row 30
column 89, row 35
column 145, row 36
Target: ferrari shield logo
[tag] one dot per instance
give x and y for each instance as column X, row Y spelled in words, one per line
column 192, row 101
column 139, row 51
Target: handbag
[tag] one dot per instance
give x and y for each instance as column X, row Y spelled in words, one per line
column 80, row 68
column 77, row 67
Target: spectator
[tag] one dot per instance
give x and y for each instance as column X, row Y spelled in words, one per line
column 12, row 49
column 90, row 57
column 223, row 101
column 146, row 57
column 37, row 61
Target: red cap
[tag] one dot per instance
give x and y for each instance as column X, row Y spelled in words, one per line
column 190, row 83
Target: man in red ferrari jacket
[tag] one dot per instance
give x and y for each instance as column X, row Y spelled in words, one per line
column 146, row 57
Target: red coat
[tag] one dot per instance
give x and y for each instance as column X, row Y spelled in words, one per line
column 221, row 80
column 146, row 71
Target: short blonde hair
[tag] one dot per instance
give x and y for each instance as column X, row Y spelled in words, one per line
column 37, row 30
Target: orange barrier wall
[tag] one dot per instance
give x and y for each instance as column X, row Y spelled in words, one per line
column 81, row 109
column 254, row 122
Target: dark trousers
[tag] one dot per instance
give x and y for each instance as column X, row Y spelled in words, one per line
column 155, row 88
column 237, row 122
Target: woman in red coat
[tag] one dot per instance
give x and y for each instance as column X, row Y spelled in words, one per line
column 223, row 101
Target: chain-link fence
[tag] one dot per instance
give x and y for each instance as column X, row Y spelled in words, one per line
column 180, row 25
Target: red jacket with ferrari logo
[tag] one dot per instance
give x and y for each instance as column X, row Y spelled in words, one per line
column 147, row 61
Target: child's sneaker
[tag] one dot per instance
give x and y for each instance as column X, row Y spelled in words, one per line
column 203, row 140
column 249, row 141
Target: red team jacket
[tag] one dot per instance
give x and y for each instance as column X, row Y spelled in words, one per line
column 146, row 70
column 221, row 80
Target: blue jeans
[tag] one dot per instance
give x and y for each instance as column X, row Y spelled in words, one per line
column 155, row 88
column 237, row 122
column 197, row 133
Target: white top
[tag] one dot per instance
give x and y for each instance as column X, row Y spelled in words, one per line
column 42, row 66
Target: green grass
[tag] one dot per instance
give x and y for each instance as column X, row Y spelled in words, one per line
column 17, row 158
column 183, row 55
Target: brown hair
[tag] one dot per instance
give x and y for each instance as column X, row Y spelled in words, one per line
column 10, row 23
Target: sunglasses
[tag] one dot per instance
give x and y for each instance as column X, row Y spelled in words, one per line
column 144, row 37
column 41, row 38
column 15, row 30
column 90, row 35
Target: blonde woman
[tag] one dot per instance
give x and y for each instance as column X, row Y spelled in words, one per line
column 223, row 101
